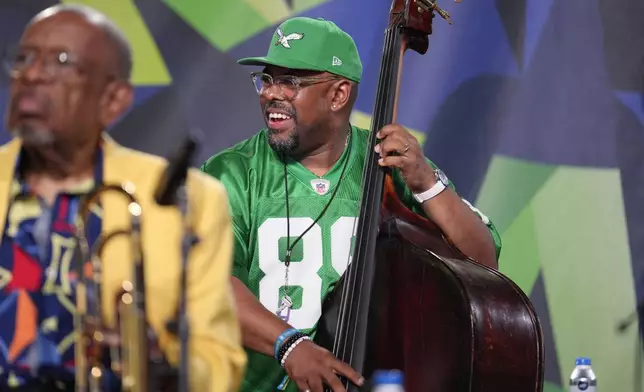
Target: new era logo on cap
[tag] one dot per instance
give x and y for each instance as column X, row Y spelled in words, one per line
column 336, row 62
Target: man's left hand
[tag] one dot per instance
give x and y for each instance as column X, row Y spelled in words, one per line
column 399, row 148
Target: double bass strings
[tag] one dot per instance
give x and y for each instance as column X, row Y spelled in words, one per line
column 373, row 181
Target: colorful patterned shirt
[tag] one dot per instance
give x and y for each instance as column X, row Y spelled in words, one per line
column 37, row 294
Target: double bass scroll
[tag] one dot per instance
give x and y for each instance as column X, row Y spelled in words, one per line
column 410, row 300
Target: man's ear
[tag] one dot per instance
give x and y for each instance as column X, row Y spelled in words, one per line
column 340, row 94
column 116, row 100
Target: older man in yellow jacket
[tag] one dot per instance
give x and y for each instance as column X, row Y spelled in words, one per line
column 69, row 81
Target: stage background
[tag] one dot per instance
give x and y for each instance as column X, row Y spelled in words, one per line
column 534, row 108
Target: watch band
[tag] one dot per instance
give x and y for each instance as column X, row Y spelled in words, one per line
column 430, row 193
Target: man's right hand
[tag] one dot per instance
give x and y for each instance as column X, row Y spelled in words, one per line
column 310, row 366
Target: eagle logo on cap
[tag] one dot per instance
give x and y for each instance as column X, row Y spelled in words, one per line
column 283, row 40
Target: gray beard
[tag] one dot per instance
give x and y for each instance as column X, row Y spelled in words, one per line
column 284, row 146
column 34, row 137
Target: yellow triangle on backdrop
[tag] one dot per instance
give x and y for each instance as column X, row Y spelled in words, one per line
column 363, row 120
column 274, row 11
column 149, row 67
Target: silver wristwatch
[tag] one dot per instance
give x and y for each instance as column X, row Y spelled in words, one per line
column 441, row 183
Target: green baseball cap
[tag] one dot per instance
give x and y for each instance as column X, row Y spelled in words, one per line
column 314, row 45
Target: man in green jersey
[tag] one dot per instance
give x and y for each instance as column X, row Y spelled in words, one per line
column 302, row 175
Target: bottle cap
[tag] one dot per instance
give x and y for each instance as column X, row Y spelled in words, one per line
column 387, row 377
column 581, row 361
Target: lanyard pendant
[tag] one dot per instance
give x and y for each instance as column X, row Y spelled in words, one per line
column 284, row 311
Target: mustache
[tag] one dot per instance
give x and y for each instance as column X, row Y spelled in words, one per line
column 280, row 106
column 44, row 102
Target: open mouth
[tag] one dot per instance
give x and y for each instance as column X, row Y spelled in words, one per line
column 34, row 119
column 29, row 115
column 29, row 108
column 279, row 120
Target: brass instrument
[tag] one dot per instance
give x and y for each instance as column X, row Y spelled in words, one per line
column 129, row 359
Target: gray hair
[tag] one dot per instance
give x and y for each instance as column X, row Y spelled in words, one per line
column 113, row 33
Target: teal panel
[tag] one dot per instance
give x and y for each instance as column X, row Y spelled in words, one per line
column 509, row 185
column 520, row 255
column 586, row 266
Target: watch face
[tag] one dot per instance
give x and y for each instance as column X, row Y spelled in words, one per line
column 441, row 177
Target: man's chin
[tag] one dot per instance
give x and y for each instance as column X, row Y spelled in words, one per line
column 34, row 137
column 283, row 142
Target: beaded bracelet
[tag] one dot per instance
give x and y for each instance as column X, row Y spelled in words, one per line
column 287, row 343
column 280, row 340
column 291, row 348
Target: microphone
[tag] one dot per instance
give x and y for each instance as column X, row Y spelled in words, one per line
column 171, row 191
column 176, row 172
column 625, row 323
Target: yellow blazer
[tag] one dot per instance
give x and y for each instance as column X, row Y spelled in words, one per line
column 217, row 356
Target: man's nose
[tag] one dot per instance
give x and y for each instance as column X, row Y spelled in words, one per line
column 33, row 72
column 272, row 92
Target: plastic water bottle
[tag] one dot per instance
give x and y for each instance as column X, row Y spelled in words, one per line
column 388, row 381
column 583, row 378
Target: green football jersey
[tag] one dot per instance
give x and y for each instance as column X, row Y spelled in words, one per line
column 254, row 177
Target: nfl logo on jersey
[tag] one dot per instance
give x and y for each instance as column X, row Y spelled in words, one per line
column 320, row 186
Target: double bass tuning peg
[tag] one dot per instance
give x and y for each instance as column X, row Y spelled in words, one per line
column 431, row 6
column 444, row 14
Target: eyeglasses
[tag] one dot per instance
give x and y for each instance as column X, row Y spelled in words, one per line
column 289, row 86
column 54, row 64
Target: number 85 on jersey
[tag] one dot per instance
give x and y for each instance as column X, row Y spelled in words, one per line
column 318, row 260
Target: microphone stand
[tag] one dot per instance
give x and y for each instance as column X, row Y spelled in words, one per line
column 187, row 242
column 622, row 327
column 172, row 192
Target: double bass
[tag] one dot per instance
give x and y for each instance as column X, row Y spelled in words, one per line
column 410, row 300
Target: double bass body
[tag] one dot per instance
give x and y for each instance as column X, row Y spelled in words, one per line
column 450, row 324
column 409, row 299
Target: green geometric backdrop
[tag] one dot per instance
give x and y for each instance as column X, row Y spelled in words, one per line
column 534, row 108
